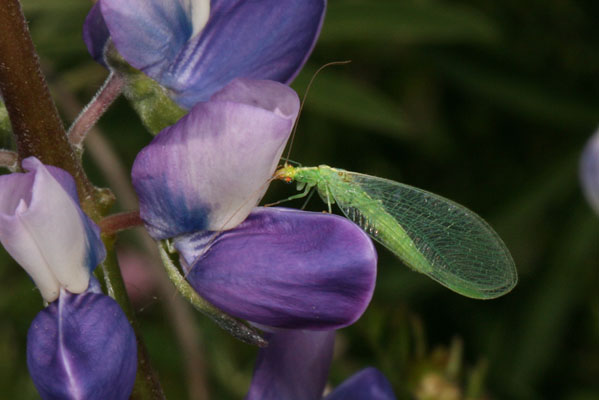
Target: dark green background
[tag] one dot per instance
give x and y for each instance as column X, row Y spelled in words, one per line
column 486, row 102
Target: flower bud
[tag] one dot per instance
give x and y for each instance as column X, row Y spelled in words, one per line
column 43, row 228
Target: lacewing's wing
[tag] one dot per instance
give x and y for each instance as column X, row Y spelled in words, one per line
column 429, row 233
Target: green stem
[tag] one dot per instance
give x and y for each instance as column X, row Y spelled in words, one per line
column 151, row 101
column 236, row 328
column 147, row 386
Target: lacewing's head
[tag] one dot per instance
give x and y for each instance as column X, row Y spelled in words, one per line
column 286, row 173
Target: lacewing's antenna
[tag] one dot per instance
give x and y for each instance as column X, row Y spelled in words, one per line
column 289, row 161
column 304, row 100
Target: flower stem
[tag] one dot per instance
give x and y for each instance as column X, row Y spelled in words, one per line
column 118, row 222
column 8, row 159
column 39, row 132
column 36, row 125
column 147, row 386
column 236, row 328
column 111, row 89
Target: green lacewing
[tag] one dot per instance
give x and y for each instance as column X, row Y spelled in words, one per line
column 429, row 233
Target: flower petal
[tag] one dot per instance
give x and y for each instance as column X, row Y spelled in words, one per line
column 368, row 383
column 287, row 268
column 82, row 347
column 150, row 34
column 295, row 365
column 45, row 231
column 211, row 168
column 95, row 33
column 260, row 39
column 266, row 39
column 589, row 171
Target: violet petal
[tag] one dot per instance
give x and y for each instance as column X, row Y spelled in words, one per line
column 211, row 168
column 82, row 347
column 295, row 365
column 367, row 384
column 287, row 268
column 589, row 171
column 260, row 39
column 95, row 33
column 267, row 39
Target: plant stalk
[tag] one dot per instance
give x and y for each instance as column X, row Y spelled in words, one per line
column 35, row 122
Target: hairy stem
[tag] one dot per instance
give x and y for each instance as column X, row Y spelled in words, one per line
column 36, row 125
column 111, row 89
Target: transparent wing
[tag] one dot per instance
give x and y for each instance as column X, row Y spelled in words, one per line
column 431, row 234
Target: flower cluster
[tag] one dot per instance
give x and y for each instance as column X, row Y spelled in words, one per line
column 81, row 345
column 297, row 275
column 195, row 47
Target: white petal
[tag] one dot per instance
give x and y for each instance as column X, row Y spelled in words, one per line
column 41, row 227
column 199, row 11
column 54, row 222
column 19, row 243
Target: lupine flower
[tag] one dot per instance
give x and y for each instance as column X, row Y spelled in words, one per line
column 285, row 268
column 200, row 178
column 81, row 345
column 589, row 171
column 45, row 231
column 195, row 47
column 295, row 365
column 208, row 171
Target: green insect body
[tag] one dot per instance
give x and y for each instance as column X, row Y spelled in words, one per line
column 429, row 233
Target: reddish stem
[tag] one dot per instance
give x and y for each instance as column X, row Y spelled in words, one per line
column 119, row 222
column 111, row 89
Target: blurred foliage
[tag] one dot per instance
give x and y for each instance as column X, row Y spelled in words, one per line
column 488, row 103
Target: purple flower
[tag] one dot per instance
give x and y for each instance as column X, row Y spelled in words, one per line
column 45, row 231
column 199, row 179
column 208, row 171
column 295, row 365
column 285, row 268
column 195, row 47
column 82, row 347
column 589, row 171
column 368, row 383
